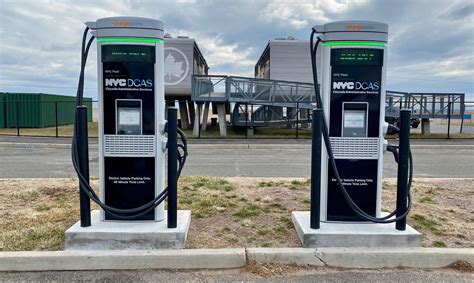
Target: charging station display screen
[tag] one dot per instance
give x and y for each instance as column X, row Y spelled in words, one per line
column 129, row 117
column 356, row 57
column 354, row 119
column 128, row 53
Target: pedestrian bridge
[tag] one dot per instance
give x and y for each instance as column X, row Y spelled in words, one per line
column 260, row 102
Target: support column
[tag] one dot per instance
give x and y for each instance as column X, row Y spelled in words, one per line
column 222, row 120
column 425, row 126
column 183, row 114
column 196, row 119
column 290, row 111
column 204, row 116
column 191, row 112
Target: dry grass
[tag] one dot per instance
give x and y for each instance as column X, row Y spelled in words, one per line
column 36, row 212
column 442, row 211
column 63, row 131
column 229, row 212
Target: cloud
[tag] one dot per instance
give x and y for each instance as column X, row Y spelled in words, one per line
column 430, row 41
column 299, row 14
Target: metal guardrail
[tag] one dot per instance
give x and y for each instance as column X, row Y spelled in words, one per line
column 252, row 91
column 279, row 93
column 426, row 105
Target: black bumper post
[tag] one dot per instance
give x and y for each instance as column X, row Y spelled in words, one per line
column 402, row 178
column 172, row 167
column 316, row 169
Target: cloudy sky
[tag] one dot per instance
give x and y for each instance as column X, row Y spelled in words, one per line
column 431, row 43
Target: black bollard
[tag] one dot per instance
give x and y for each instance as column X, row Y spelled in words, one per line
column 316, row 168
column 402, row 178
column 172, row 167
column 82, row 144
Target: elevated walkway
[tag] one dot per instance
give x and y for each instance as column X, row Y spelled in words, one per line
column 260, row 102
column 253, row 91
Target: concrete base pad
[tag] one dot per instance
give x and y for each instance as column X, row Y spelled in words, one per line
column 128, row 235
column 352, row 234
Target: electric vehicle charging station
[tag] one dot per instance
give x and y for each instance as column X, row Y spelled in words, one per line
column 353, row 69
column 132, row 143
column 131, row 95
column 347, row 168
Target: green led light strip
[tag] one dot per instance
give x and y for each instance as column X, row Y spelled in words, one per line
column 129, row 39
column 369, row 43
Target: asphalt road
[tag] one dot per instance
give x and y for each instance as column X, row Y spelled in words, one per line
column 239, row 275
column 50, row 158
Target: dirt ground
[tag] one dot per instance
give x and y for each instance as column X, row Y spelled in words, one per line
column 230, row 212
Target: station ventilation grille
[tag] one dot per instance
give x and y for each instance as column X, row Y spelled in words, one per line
column 355, row 148
column 129, row 145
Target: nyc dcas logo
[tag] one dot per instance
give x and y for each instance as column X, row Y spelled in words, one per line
column 356, row 85
column 129, row 82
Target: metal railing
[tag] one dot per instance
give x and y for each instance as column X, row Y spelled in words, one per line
column 426, row 105
column 252, row 91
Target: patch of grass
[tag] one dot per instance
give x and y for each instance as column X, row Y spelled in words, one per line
column 439, row 244
column 248, row 210
column 300, row 182
column 266, row 184
column 63, row 131
column 263, row 232
column 431, row 191
column 211, row 183
column 275, row 205
column 43, row 207
column 187, row 188
column 198, row 215
column 280, row 230
column 251, row 240
column 204, row 205
column 430, row 224
column 27, row 195
column 48, row 236
column 286, row 220
column 427, row 200
column 461, row 236
column 185, row 199
column 306, row 201
column 232, row 239
column 266, row 245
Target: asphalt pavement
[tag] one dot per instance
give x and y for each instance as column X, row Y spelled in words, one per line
column 240, row 275
column 23, row 157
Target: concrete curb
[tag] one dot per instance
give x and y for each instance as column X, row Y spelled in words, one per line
column 234, row 258
column 364, row 257
column 158, row 259
column 298, row 256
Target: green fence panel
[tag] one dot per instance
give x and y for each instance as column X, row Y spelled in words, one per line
column 3, row 112
column 38, row 110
